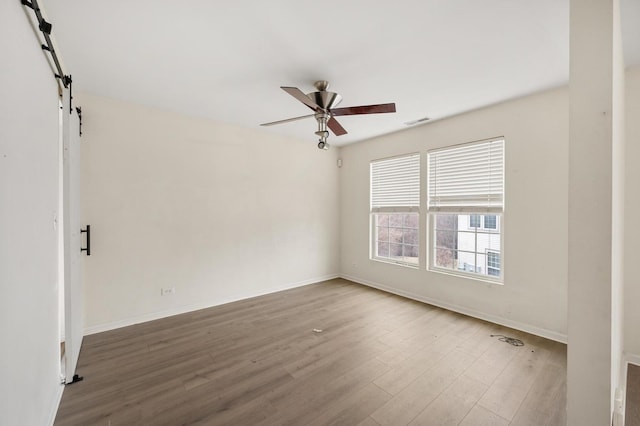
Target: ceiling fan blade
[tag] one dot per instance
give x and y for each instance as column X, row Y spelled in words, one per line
column 365, row 109
column 287, row 120
column 335, row 127
column 299, row 95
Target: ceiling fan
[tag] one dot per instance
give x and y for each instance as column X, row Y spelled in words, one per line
column 323, row 104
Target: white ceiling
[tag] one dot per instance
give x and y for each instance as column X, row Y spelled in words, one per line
column 225, row 60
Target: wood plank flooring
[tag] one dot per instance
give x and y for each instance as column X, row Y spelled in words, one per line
column 379, row 360
column 632, row 413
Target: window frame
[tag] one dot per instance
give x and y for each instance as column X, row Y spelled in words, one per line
column 410, row 205
column 488, row 210
column 374, row 239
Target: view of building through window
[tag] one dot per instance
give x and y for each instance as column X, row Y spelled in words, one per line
column 469, row 243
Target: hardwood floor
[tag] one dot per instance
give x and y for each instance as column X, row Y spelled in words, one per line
column 379, row 360
column 632, row 413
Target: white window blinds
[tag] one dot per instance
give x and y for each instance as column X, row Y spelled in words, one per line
column 467, row 177
column 395, row 184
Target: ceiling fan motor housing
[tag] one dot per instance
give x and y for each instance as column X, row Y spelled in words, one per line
column 325, row 100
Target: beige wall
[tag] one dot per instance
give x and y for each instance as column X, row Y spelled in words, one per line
column 534, row 294
column 218, row 212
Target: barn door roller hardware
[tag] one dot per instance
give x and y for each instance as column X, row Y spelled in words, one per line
column 76, row 379
column 45, row 27
column 79, row 111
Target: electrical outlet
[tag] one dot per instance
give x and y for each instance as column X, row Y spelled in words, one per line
column 167, row 291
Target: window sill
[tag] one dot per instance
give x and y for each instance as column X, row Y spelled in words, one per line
column 483, row 279
column 392, row 262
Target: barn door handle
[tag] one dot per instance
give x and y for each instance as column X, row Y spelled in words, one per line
column 88, row 248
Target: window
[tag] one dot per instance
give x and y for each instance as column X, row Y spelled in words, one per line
column 465, row 203
column 493, row 263
column 395, row 201
column 482, row 221
column 459, row 247
column 396, row 237
column 490, row 221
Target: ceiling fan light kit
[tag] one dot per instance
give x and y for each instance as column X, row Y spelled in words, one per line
column 323, row 103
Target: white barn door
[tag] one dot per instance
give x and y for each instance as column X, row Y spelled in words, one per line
column 73, row 238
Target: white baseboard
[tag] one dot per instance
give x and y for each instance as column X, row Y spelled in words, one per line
column 55, row 405
column 197, row 306
column 547, row 334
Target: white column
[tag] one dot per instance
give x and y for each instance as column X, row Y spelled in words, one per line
column 595, row 217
